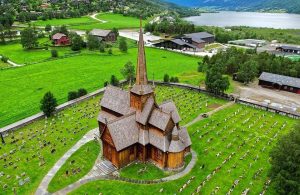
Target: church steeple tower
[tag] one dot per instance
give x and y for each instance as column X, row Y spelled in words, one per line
column 141, row 90
column 141, row 69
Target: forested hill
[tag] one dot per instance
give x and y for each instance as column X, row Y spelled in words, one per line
column 292, row 6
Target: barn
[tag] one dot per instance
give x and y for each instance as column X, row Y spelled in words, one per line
column 280, row 82
column 60, row 39
column 104, row 35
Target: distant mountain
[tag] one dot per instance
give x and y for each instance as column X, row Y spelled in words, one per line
column 292, row 6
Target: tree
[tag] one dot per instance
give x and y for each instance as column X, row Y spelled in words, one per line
column 2, row 34
column 215, row 81
column 128, row 71
column 76, row 42
column 285, row 163
column 101, row 48
column 247, row 71
column 92, row 42
column 54, row 53
column 114, row 81
column 110, row 51
column 82, row 92
column 48, row 28
column 166, row 78
column 72, row 95
column 48, row 104
column 29, row 38
column 116, row 31
column 123, row 45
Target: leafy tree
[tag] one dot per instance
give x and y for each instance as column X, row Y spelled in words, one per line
column 48, row 28
column 93, row 42
column 72, row 95
column 247, row 71
column 105, row 83
column 128, row 71
column 114, row 81
column 48, row 104
column 54, row 53
column 76, row 42
column 2, row 34
column 82, row 92
column 29, row 38
column 123, row 45
column 110, row 51
column 101, row 48
column 116, row 31
column 4, row 59
column 285, row 163
column 166, row 78
column 215, row 81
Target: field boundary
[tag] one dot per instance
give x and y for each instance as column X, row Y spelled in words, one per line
column 63, row 106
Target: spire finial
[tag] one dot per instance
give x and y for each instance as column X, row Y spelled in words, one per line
column 141, row 70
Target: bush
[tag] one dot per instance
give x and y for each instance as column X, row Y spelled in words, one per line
column 102, row 48
column 54, row 53
column 110, row 51
column 4, row 59
column 114, row 80
column 72, row 95
column 82, row 92
column 48, row 104
column 174, row 80
column 123, row 45
column 105, row 83
column 166, row 78
column 48, row 28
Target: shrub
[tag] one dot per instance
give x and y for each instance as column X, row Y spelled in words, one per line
column 123, row 45
column 4, row 59
column 114, row 80
column 48, row 28
column 110, row 51
column 54, row 53
column 81, row 92
column 105, row 83
column 48, row 104
column 166, row 78
column 72, row 95
column 102, row 48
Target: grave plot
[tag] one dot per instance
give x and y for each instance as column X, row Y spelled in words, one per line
column 233, row 156
column 30, row 152
column 189, row 103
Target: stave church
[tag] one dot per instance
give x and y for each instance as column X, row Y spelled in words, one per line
column 133, row 127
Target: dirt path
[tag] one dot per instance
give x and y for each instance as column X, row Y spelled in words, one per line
column 95, row 18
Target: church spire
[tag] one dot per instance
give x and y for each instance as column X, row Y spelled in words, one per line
column 141, row 70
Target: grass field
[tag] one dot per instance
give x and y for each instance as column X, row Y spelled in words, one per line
column 4, row 65
column 35, row 143
column 232, row 147
column 77, row 166
column 89, row 71
column 87, row 23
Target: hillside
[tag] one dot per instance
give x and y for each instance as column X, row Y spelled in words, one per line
column 292, row 6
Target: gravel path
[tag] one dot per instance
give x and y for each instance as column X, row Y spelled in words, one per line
column 95, row 18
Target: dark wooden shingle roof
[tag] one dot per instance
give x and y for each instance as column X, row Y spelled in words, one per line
column 280, row 79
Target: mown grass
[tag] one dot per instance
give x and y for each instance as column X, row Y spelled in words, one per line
column 61, row 132
column 67, row 21
column 3, row 65
column 77, row 166
column 22, row 88
column 210, row 137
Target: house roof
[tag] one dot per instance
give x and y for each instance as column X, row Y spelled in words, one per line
column 116, row 99
column 289, row 47
column 280, row 79
column 105, row 117
column 143, row 117
column 143, row 137
column 176, row 146
column 184, row 136
column 58, row 36
column 141, row 89
column 198, row 37
column 124, row 131
column 159, row 141
column 170, row 107
column 159, row 119
column 100, row 32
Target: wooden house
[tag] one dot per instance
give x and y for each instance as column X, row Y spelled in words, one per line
column 133, row 127
column 104, row 35
column 60, row 39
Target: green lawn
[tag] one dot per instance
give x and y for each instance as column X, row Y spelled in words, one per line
column 63, row 131
column 3, row 65
column 22, row 88
column 247, row 135
column 87, row 23
column 77, row 166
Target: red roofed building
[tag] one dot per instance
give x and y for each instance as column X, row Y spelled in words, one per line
column 60, row 39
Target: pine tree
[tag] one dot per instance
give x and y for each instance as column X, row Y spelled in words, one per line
column 48, row 104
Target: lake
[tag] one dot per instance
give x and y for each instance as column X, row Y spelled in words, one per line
column 252, row 19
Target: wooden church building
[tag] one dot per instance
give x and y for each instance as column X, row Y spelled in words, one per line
column 133, row 127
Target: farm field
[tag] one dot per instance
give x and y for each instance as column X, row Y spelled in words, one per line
column 233, row 151
column 30, row 83
column 43, row 142
column 87, row 23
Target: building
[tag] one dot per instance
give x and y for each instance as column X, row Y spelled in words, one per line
column 60, row 39
column 179, row 44
column 249, row 42
column 288, row 49
column 104, row 35
column 280, row 82
column 133, row 127
column 193, row 41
